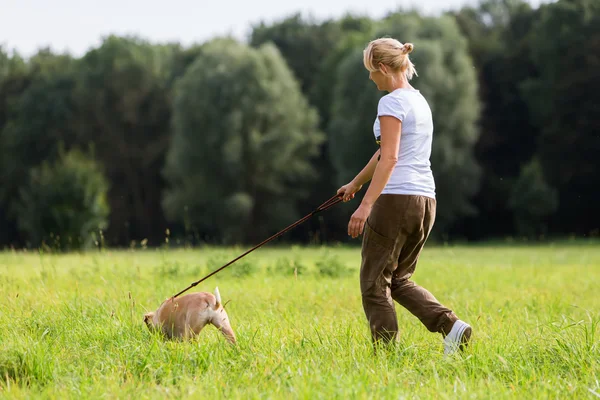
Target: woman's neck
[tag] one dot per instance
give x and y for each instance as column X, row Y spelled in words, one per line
column 399, row 82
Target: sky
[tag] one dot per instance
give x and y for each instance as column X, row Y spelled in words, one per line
column 75, row 26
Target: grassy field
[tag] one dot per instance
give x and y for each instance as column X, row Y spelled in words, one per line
column 71, row 326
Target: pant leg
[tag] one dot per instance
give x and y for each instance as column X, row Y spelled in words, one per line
column 375, row 284
column 379, row 260
column 420, row 216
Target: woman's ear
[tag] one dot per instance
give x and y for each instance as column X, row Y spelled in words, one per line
column 383, row 69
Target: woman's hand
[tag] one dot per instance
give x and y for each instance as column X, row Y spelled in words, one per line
column 348, row 190
column 358, row 220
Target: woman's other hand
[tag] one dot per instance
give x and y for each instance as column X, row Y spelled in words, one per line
column 357, row 221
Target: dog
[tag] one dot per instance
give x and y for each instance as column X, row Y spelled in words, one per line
column 183, row 318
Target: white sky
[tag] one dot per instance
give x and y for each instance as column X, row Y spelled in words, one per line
column 77, row 25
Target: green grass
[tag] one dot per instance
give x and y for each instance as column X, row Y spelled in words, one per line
column 71, row 326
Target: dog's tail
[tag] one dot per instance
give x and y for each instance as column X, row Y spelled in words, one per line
column 217, row 297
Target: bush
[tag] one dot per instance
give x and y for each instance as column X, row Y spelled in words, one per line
column 332, row 267
column 242, row 268
column 533, row 200
column 238, row 269
column 64, row 204
column 286, row 267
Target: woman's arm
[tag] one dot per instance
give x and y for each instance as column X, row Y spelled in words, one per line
column 391, row 128
column 364, row 176
column 390, row 143
column 367, row 172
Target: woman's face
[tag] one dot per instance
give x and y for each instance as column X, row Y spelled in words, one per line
column 379, row 79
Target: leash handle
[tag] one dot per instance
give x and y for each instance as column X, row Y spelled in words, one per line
column 325, row 206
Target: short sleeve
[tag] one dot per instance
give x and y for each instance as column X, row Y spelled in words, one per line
column 391, row 106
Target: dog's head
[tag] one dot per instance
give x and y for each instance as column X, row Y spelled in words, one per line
column 149, row 320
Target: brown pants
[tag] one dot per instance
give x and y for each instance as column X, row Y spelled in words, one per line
column 393, row 237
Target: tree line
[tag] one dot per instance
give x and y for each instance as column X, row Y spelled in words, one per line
column 229, row 141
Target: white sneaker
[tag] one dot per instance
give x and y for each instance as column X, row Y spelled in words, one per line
column 458, row 338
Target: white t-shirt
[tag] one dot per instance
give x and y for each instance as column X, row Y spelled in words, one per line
column 412, row 173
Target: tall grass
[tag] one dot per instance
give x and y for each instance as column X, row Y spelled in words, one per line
column 71, row 326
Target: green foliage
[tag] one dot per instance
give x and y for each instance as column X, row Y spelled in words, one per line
column 242, row 268
column 12, row 73
column 354, row 101
column 285, row 266
column 36, row 118
column 532, row 200
column 124, row 109
column 243, row 123
column 563, row 102
column 498, row 33
column 331, row 266
column 40, row 118
column 303, row 43
column 312, row 50
column 354, row 33
column 63, row 206
column 5, row 60
column 241, row 151
column 307, row 46
column 239, row 269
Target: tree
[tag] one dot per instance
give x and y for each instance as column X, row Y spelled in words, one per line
column 303, row 43
column 564, row 104
column 40, row 117
column 37, row 108
column 498, row 33
column 5, row 60
column 10, row 67
column 312, row 50
column 532, row 200
column 63, row 205
column 446, row 79
column 124, row 108
column 243, row 140
column 354, row 100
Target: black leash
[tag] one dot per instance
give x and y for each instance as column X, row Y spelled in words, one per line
column 328, row 204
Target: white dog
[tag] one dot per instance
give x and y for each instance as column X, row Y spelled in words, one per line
column 184, row 317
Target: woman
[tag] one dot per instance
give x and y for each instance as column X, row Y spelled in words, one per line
column 398, row 209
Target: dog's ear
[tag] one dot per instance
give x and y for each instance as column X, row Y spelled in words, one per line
column 148, row 317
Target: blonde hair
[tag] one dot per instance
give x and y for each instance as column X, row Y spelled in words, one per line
column 391, row 53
